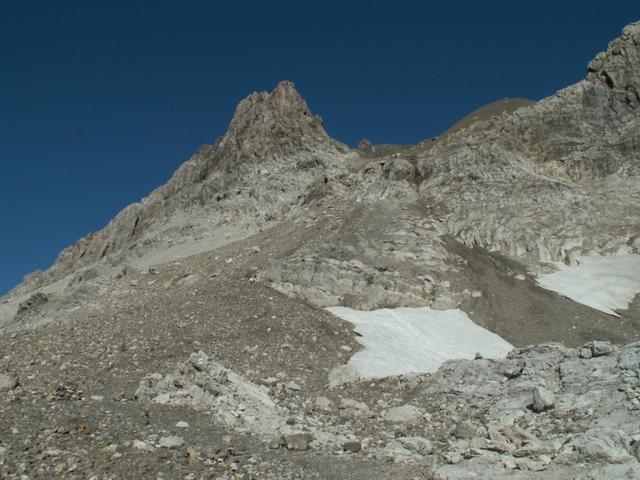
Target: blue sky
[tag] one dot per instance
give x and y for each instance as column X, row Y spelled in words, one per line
column 100, row 101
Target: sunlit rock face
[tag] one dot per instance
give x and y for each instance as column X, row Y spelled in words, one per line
column 273, row 152
column 554, row 180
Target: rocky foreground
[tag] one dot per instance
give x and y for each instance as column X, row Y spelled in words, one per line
column 541, row 413
column 545, row 412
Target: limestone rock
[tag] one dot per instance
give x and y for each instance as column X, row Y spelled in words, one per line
column 463, row 432
column 355, row 409
column 343, row 374
column 395, row 451
column 144, row 446
column 323, row 404
column 407, row 414
column 298, row 441
column 273, row 132
column 599, row 349
column 418, row 445
column 493, row 159
column 171, row 441
column 352, row 446
column 542, row 399
column 275, row 203
column 7, row 382
column 32, row 304
column 602, row 445
column 204, row 384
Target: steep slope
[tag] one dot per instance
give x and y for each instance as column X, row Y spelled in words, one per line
column 275, row 131
column 554, row 180
column 250, row 178
column 586, row 131
column 487, row 112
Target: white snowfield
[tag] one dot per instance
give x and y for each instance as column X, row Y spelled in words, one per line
column 416, row 340
column 604, row 283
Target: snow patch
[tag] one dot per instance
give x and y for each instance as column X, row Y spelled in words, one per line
column 416, row 340
column 604, row 283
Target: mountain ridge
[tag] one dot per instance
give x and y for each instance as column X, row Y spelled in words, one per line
column 279, row 125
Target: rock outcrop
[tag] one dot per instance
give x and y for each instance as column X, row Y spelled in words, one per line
column 584, row 418
column 544, row 412
column 532, row 183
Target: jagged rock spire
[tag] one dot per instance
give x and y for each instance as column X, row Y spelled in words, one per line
column 274, row 125
column 618, row 69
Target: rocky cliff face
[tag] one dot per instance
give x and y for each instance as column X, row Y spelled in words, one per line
column 535, row 182
column 550, row 181
column 273, row 150
column 589, row 130
column 278, row 126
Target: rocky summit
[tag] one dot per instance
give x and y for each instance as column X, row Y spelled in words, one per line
column 289, row 307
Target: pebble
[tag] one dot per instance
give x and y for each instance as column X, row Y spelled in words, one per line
column 404, row 414
column 462, row 431
column 172, row 441
column 343, row 374
column 7, row 382
column 323, row 404
column 144, row 446
column 293, row 386
column 352, row 446
column 298, row 441
column 419, row 445
column 598, row 348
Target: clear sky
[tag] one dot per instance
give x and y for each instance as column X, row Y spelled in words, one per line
column 100, row 101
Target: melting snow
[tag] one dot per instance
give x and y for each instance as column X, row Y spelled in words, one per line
column 416, row 340
column 604, row 283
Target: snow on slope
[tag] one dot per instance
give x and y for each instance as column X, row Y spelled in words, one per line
column 416, row 340
column 603, row 283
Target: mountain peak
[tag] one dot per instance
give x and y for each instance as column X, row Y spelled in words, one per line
column 264, row 120
column 274, row 125
column 283, row 98
column 618, row 66
column 286, row 95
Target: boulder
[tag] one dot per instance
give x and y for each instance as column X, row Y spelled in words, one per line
column 543, row 399
column 599, row 348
